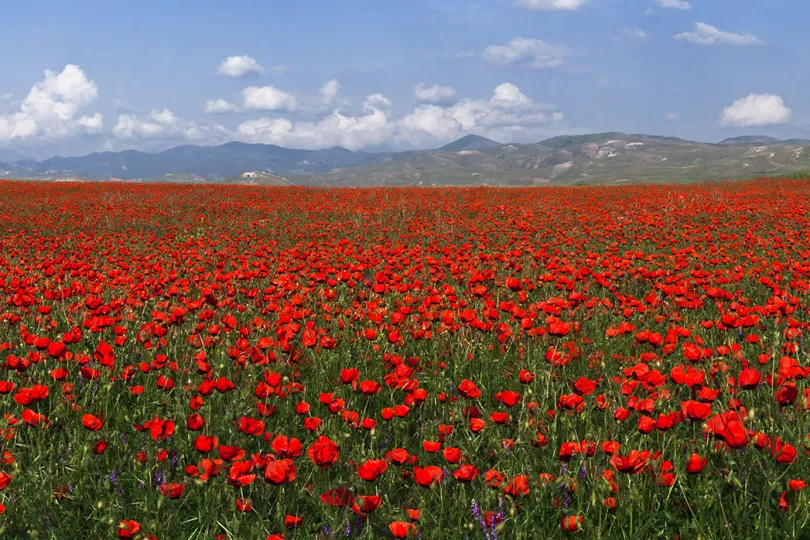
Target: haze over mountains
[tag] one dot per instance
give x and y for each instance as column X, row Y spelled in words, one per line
column 602, row 158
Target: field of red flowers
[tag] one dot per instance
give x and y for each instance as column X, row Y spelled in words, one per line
column 240, row 362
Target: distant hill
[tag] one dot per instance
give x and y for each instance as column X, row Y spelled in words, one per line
column 599, row 158
column 602, row 158
column 749, row 139
column 470, row 142
column 207, row 162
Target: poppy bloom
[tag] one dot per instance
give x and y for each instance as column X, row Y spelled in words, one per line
column 468, row 389
column 466, row 473
column 323, row 452
column 128, row 528
column 172, row 491
column 797, row 485
column 572, row 523
column 368, row 503
column 287, row 447
column 205, row 443
column 91, row 422
column 231, row 453
column 337, row 497
column 695, row 464
column 292, row 522
column 279, row 472
column 372, row 469
column 493, row 478
column 401, row 529
column 517, row 486
column 100, row 447
column 431, row 447
column 427, row 476
column 5, row 480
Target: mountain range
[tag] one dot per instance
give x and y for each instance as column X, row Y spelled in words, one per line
column 601, row 158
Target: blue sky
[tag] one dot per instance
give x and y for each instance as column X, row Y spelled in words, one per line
column 129, row 74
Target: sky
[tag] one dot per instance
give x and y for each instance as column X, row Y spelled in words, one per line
column 96, row 75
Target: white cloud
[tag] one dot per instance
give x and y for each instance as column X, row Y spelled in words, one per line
column 239, row 66
column 508, row 115
column 756, row 110
column 673, row 116
column 675, row 4
column 50, row 110
column 328, row 91
column 531, row 52
column 648, row 12
column 633, row 34
column 92, row 124
column 164, row 124
column 433, row 93
column 267, row 98
column 550, row 5
column 219, row 106
column 706, row 34
column 279, row 69
column 370, row 129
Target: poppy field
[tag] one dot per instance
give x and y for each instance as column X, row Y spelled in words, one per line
column 244, row 362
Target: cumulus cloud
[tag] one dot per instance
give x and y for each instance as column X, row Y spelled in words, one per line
column 164, row 124
column 756, row 110
column 508, row 114
column 239, row 66
column 525, row 51
column 371, row 128
column 433, row 93
column 550, row 5
column 632, row 34
column 51, row 108
column 92, row 124
column 675, row 4
column 328, row 91
column 706, row 34
column 219, row 106
column 267, row 98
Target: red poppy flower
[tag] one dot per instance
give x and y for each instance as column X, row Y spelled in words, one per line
column 287, row 447
column 372, row 469
column 517, row 486
column 338, row 497
column 172, row 491
column 323, row 452
column 206, row 443
column 292, row 522
column 368, row 503
column 468, row 389
column 128, row 528
column 279, row 472
column 91, row 422
column 401, row 529
column 572, row 523
column 695, row 464
column 427, row 476
column 466, row 473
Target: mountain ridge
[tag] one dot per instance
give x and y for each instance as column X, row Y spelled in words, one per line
column 611, row 157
